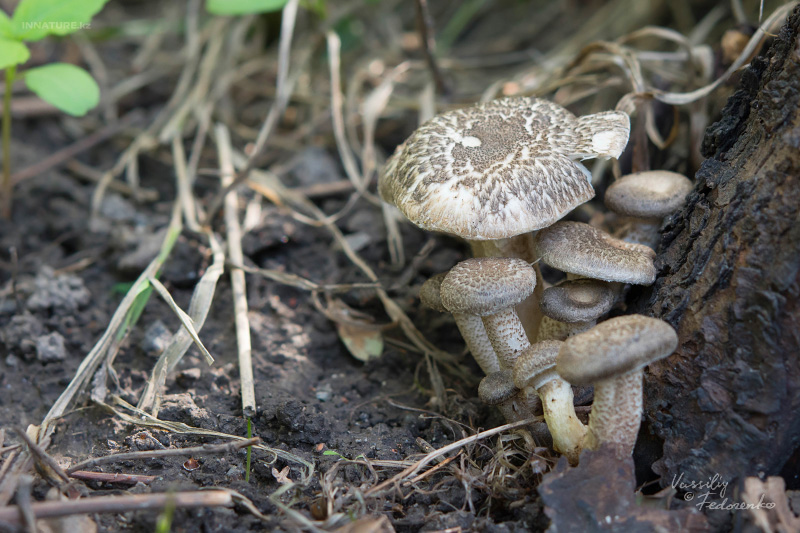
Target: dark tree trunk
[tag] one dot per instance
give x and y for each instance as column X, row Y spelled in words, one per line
column 728, row 401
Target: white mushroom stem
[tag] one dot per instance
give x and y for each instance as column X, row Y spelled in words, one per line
column 507, row 336
column 559, row 412
column 474, row 333
column 616, row 412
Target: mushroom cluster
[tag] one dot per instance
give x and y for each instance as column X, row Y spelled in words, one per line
column 502, row 175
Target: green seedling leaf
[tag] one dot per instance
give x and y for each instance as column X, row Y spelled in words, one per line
column 12, row 53
column 6, row 27
column 35, row 19
column 363, row 343
column 243, row 7
column 71, row 89
column 333, row 452
column 136, row 310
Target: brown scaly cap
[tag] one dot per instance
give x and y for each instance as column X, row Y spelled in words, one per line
column 653, row 194
column 486, row 285
column 579, row 300
column 430, row 293
column 538, row 360
column 501, row 168
column 580, row 249
column 497, row 388
column 615, row 347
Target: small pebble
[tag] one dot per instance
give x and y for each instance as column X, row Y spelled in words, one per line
column 50, row 348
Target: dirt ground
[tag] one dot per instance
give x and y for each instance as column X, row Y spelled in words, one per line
column 312, row 395
column 64, row 273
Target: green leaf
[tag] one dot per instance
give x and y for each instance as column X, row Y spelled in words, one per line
column 5, row 24
column 69, row 88
column 35, row 19
column 12, row 53
column 243, row 7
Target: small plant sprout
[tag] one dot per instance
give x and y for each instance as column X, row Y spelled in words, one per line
column 67, row 87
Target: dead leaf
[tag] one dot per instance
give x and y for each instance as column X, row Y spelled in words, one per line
column 599, row 495
column 368, row 524
column 282, row 477
column 364, row 344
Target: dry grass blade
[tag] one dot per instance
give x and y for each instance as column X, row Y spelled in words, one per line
column 239, row 289
column 116, row 327
column 299, row 282
column 337, row 103
column 419, row 465
column 752, row 46
column 199, row 306
column 185, row 319
column 184, row 185
column 284, row 88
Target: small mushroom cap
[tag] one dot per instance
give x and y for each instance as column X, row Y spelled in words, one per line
column 614, row 347
column 578, row 248
column 499, row 169
column 535, row 365
column 653, row 194
column 578, row 300
column 430, row 293
column 497, row 388
column 486, row 285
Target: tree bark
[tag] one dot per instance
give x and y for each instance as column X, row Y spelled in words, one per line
column 728, row 401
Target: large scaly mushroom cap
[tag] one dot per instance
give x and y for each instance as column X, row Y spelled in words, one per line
column 501, row 168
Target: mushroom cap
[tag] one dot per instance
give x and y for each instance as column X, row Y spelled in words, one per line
column 430, row 293
column 535, row 365
column 615, row 347
column 501, row 168
column 497, row 387
column 579, row 248
column 653, row 194
column 578, row 300
column 486, row 285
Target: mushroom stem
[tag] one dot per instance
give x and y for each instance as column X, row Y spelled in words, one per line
column 616, row 412
column 520, row 247
column 559, row 412
column 552, row 329
column 474, row 333
column 507, row 336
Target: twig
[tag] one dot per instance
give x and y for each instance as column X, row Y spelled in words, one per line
column 48, row 468
column 65, row 154
column 107, row 477
column 426, row 31
column 92, row 174
column 24, row 503
column 238, row 287
column 121, row 504
column 208, row 449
